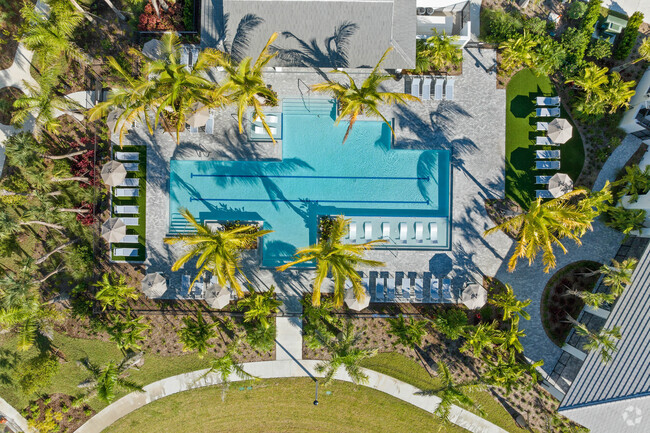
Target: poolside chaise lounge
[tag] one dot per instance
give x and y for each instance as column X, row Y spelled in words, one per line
column 379, row 289
column 547, row 154
column 547, row 165
column 272, row 118
column 261, row 131
column 209, row 125
column 548, row 112
column 449, row 89
column 406, row 288
column 550, row 101
column 419, row 230
column 542, row 126
column 130, row 181
column 447, row 296
column 418, row 289
column 433, row 233
column 437, row 91
column 390, row 290
column 128, row 239
column 352, row 232
column 542, row 180
column 194, row 129
column 125, row 252
column 426, row 89
column 131, row 166
column 185, row 283
column 126, row 210
column 367, row 230
column 543, row 193
column 127, row 156
column 130, row 221
column 434, row 290
column 415, row 87
column 542, row 140
column 127, row 192
column 385, row 230
column 403, row 232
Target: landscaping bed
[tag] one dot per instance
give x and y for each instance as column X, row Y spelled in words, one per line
column 10, row 22
column 8, row 96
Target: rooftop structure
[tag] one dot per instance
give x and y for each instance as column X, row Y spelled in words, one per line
column 444, row 16
column 636, row 120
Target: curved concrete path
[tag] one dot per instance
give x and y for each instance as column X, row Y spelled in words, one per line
column 617, row 161
column 278, row 369
column 13, row 415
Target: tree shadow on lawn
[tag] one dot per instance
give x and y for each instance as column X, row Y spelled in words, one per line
column 520, row 175
column 521, row 105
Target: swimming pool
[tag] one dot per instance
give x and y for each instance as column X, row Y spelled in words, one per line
column 363, row 178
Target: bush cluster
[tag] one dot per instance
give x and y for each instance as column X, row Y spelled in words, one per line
column 171, row 19
column 628, row 40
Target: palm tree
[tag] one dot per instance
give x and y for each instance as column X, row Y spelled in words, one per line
column 510, row 373
column 318, row 319
column 409, row 334
column 510, row 340
column 644, row 54
column 22, row 150
column 217, row 250
column 260, row 306
column 105, row 381
column 10, row 226
column 634, row 182
column 441, row 51
column 518, row 52
column 479, row 338
column 604, row 341
column 32, row 319
column 545, row 224
column 618, row 93
column 626, row 220
column 619, row 275
column 511, row 306
column 452, row 393
column 127, row 334
column 366, row 99
column 113, row 291
column 591, row 79
column 244, row 84
column 226, row 365
column 337, row 259
column 593, row 299
column 196, row 334
column 452, row 323
column 549, row 57
column 344, row 353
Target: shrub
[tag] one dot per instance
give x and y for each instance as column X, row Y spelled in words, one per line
column 36, row 373
column 577, row 9
column 451, row 323
column 171, row 19
column 188, row 14
column 599, row 49
column 591, row 16
column 260, row 338
column 501, row 25
column 535, row 25
column 628, row 40
column 575, row 43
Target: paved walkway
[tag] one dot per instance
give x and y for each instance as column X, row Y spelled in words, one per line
column 13, row 416
column 629, row 7
column 288, row 340
column 278, row 369
column 617, row 161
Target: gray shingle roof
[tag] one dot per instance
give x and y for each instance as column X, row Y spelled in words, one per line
column 305, row 26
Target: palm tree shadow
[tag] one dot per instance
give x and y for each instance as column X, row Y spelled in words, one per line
column 238, row 47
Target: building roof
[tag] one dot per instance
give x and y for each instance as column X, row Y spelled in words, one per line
column 601, row 392
column 307, row 29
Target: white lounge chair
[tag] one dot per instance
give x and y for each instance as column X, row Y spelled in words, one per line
column 548, row 112
column 403, row 232
column 126, row 210
column 127, row 156
column 547, row 165
column 127, row 192
column 542, row 140
column 367, row 230
column 433, row 232
column 449, row 89
column 415, row 87
column 385, row 230
column 406, row 288
column 130, row 182
column 542, row 126
column 542, row 180
column 419, row 232
column 437, row 90
column 352, row 232
column 543, row 193
column 209, row 126
column 129, row 239
column 426, row 89
column 549, row 101
column 365, row 282
column 418, row 290
column 379, row 289
column 434, row 291
column 131, row 221
column 272, row 118
column 390, row 290
column 131, row 166
column 194, row 129
column 273, row 130
column 185, row 283
column 547, row 154
column 125, row 252
column 447, row 296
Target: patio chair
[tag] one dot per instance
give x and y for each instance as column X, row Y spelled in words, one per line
column 126, row 210
column 352, row 232
column 390, row 290
column 547, row 154
column 125, row 252
column 437, row 91
column 185, row 283
column 547, row 165
column 129, row 239
column 127, row 192
column 272, row 118
column 548, row 101
column 548, row 112
column 131, row 221
column 543, row 193
column 385, row 230
column 127, row 156
column 403, row 232
column 415, row 87
column 434, row 291
column 418, row 290
column 542, row 126
column 433, row 232
column 542, row 140
column 209, row 126
column 131, row 166
column 379, row 289
column 419, row 232
column 447, row 296
column 365, row 282
column 426, row 89
column 542, row 180
column 449, row 89
column 130, row 182
column 194, row 129
column 406, row 288
column 367, row 231
column 273, row 130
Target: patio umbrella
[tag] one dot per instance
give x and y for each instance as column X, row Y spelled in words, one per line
column 474, row 296
column 217, row 297
column 113, row 173
column 353, row 303
column 154, row 285
column 113, row 122
column 560, row 130
column 200, row 116
column 560, row 184
column 113, row 230
column 152, row 49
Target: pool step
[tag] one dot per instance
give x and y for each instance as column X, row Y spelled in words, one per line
column 179, row 225
column 311, row 106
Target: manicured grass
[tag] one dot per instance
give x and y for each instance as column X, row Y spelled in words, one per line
column 521, row 122
column 141, row 201
column 280, row 405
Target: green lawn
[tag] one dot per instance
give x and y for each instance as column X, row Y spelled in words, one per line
column 521, row 122
column 280, row 405
column 141, row 201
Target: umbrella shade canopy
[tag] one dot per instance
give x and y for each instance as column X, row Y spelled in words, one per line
column 114, row 123
column 474, row 296
column 200, row 116
column 113, row 173
column 560, row 131
column 560, row 184
column 353, row 303
column 217, row 297
column 114, row 230
column 154, row 285
column 152, row 49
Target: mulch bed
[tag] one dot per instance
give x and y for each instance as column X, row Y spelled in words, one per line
column 59, row 406
column 9, row 26
column 7, row 97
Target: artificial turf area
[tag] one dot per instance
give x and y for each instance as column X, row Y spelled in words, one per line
column 521, row 123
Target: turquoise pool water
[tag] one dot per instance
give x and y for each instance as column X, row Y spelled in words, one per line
column 317, row 176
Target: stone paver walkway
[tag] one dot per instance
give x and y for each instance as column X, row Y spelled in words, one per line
column 278, row 369
column 616, row 161
column 13, row 416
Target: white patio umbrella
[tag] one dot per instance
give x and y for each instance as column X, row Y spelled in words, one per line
column 152, row 49
column 200, row 116
column 559, row 131
column 154, row 285
column 560, row 184
column 113, row 173
column 113, row 122
column 114, row 230
column 474, row 296
column 217, row 297
column 353, row 303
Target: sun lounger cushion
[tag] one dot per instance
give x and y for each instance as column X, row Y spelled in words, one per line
column 126, row 210
column 449, row 89
column 543, row 193
column 127, row 192
column 542, row 180
column 426, row 89
column 129, row 239
column 130, row 221
column 125, row 252
column 130, row 182
column 132, row 166
column 437, row 91
column 547, row 165
column 434, row 291
column 379, row 289
column 543, row 141
column 547, row 154
column 415, row 87
column 127, row 156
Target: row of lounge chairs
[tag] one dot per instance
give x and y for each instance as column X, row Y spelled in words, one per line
column 198, row 290
column 440, row 83
column 410, row 290
column 404, row 233
column 129, row 188
column 547, row 106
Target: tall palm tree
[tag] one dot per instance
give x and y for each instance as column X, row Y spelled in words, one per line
column 337, row 259
column 31, row 319
column 618, row 93
column 195, row 335
column 113, row 291
column 365, row 99
column 644, row 54
column 593, row 299
column 510, row 373
column 345, row 353
column 452, row 323
column 510, row 340
column 105, row 381
column 128, row 333
column 604, row 340
column 479, row 338
column 217, row 251
column 591, row 79
column 259, row 306
column 550, row 56
column 518, row 52
column 511, row 306
column 410, row 333
column 226, row 365
column 440, row 51
column 544, row 225
column 244, row 84
column 618, row 275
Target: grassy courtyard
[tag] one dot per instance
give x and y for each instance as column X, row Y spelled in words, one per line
column 521, row 122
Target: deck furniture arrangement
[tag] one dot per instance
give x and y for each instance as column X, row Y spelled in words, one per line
column 437, row 93
column 547, row 112
column 409, row 290
column 129, row 188
column 547, row 154
column 127, row 156
column 542, row 140
column 542, row 180
column 426, row 89
column 542, row 126
column 127, row 192
column 130, row 182
column 415, row 87
column 547, row 165
column 126, row 210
